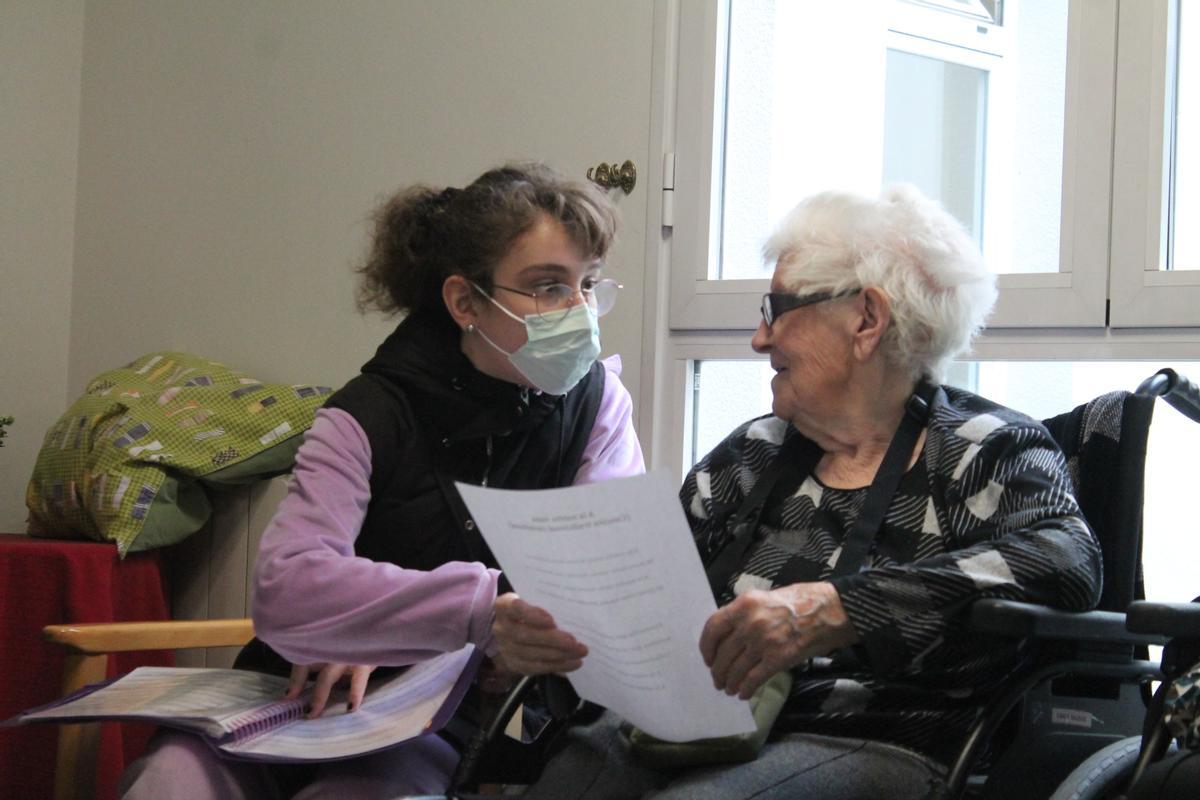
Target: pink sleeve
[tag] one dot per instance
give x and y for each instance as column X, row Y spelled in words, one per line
column 613, row 450
column 316, row 601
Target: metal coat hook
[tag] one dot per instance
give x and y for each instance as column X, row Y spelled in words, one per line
column 614, row 177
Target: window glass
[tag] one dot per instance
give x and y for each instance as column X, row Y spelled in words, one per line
column 729, row 392
column 935, row 118
column 726, row 394
column 1185, row 181
column 950, row 95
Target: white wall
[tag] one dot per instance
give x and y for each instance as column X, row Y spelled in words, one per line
column 229, row 155
column 41, row 45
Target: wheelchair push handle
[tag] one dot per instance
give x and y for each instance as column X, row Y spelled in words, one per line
column 1179, row 392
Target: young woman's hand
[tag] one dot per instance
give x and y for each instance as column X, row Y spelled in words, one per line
column 530, row 643
column 328, row 676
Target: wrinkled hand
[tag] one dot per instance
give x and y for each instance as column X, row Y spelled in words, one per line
column 761, row 633
column 327, row 678
column 530, row 643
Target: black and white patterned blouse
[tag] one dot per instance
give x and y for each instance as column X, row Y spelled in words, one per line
column 986, row 511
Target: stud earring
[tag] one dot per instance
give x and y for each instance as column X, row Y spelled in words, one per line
column 470, row 327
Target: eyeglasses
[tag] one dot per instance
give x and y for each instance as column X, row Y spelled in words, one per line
column 601, row 296
column 776, row 303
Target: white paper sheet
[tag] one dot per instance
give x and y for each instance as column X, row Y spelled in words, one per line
column 615, row 565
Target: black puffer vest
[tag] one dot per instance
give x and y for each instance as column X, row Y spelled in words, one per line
column 431, row 419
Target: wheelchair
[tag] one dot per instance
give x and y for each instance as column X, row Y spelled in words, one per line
column 1087, row 687
column 1144, row 767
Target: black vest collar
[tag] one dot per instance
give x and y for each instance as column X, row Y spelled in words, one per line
column 424, row 354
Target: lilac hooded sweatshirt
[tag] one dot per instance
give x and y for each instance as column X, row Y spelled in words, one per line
column 315, row 601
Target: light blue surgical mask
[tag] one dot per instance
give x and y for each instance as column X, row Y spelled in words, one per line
column 560, row 347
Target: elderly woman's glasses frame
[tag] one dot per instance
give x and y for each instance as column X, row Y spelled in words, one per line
column 776, row 303
column 600, row 296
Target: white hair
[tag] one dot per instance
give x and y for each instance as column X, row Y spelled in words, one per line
column 904, row 244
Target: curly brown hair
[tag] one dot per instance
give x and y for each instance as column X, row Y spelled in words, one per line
column 423, row 235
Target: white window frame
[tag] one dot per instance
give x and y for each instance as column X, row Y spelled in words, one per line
column 979, row 13
column 1144, row 295
column 1073, row 297
column 946, row 22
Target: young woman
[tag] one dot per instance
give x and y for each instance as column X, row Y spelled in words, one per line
column 492, row 378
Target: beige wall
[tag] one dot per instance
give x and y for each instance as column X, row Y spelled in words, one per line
column 229, row 154
column 41, row 46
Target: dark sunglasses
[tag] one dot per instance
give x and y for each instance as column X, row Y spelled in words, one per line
column 776, row 303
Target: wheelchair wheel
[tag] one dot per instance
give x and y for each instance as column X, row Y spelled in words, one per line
column 1104, row 774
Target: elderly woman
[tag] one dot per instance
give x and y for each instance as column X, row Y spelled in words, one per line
column 888, row 503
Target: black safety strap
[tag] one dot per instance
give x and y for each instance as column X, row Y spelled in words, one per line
column 796, row 460
column 887, row 480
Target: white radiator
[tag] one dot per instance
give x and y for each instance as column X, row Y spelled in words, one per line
column 209, row 573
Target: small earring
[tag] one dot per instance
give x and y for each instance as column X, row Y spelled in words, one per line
column 470, row 327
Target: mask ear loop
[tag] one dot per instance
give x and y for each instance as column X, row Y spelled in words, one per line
column 473, row 328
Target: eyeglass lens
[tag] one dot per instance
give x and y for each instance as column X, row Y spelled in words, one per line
column 601, row 297
column 768, row 309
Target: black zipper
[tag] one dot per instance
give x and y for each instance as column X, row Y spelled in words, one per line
column 487, row 467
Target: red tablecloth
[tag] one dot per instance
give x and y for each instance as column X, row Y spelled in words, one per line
column 44, row 582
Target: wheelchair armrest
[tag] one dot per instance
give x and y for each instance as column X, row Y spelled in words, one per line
column 1167, row 619
column 1030, row 621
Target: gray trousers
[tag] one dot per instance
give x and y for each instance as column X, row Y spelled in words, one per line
column 180, row 766
column 596, row 764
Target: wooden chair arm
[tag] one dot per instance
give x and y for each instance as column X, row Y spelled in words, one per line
column 120, row 637
column 86, row 660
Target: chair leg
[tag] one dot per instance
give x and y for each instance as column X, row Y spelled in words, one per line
column 75, row 767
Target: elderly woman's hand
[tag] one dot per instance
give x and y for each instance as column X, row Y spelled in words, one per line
column 761, row 633
column 530, row 643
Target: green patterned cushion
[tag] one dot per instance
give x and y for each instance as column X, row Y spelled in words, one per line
column 130, row 462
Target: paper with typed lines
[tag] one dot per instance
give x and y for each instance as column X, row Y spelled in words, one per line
column 615, row 565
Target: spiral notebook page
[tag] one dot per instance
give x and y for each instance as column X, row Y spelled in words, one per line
column 394, row 710
column 202, row 699
column 615, row 565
